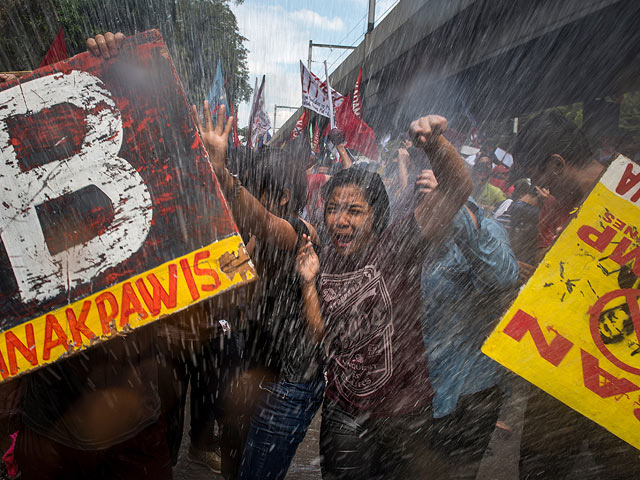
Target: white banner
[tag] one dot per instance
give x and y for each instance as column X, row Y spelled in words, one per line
column 259, row 122
column 314, row 93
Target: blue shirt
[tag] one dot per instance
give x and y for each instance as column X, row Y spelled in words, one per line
column 466, row 283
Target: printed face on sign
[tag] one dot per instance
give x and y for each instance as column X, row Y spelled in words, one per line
column 615, row 334
column 615, row 324
column 581, row 344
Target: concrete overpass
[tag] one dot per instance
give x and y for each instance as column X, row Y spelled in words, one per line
column 496, row 58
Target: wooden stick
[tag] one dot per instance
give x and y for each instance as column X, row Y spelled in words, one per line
column 18, row 72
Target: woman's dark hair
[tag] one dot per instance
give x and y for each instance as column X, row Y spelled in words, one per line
column 240, row 162
column 274, row 171
column 371, row 185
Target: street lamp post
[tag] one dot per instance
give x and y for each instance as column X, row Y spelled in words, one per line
column 324, row 45
column 275, row 112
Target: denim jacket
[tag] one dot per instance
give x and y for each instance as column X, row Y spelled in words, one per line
column 466, row 283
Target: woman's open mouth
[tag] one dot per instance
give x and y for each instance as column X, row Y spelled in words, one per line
column 343, row 240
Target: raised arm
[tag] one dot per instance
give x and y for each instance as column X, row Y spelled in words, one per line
column 437, row 206
column 248, row 212
column 336, row 136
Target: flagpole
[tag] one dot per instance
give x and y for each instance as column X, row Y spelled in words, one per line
column 332, row 119
column 251, row 113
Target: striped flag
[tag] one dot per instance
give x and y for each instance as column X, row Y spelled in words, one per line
column 357, row 102
column 259, row 122
column 315, row 144
column 234, row 112
column 301, row 124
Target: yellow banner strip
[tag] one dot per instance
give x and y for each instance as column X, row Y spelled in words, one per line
column 128, row 305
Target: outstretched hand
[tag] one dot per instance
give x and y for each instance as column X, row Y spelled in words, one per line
column 426, row 130
column 307, row 263
column 216, row 138
column 107, row 45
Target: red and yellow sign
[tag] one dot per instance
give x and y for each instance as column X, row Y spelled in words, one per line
column 110, row 213
column 138, row 301
column 574, row 329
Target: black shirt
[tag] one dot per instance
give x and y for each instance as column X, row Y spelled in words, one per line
column 278, row 334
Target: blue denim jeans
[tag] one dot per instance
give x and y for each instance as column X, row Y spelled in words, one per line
column 278, row 425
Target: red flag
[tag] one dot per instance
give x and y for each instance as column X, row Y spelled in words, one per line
column 357, row 102
column 301, row 124
column 315, row 144
column 57, row 51
column 357, row 134
column 236, row 140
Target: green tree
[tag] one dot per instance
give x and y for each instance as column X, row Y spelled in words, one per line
column 197, row 33
column 630, row 116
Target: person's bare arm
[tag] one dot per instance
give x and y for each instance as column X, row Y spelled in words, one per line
column 336, row 136
column 248, row 212
column 344, row 156
column 307, row 266
column 437, row 205
column 403, row 170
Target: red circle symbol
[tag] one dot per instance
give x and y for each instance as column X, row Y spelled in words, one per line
column 627, row 303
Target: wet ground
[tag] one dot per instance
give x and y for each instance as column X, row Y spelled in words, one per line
column 499, row 463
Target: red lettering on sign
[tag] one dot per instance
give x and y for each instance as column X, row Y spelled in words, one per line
column 130, row 304
column 611, row 386
column 51, row 325
column 27, row 351
column 188, row 276
column 619, row 224
column 3, row 367
column 628, row 181
column 620, row 257
column 205, row 271
column 553, row 352
column 632, row 232
column 77, row 326
column 106, row 318
column 160, row 295
column 596, row 239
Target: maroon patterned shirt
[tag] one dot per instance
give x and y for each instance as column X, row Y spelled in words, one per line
column 371, row 307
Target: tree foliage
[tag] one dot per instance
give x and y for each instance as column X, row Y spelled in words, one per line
column 197, row 33
column 630, row 116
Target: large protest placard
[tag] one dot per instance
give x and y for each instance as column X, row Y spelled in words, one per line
column 315, row 95
column 573, row 330
column 110, row 214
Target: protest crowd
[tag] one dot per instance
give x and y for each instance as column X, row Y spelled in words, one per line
column 380, row 275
